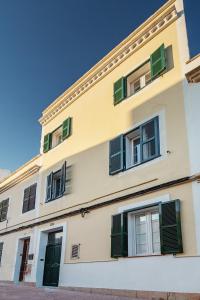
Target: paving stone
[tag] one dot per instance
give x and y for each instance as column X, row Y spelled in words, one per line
column 20, row 292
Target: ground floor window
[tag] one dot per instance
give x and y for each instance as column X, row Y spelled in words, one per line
column 144, row 237
column 149, row 230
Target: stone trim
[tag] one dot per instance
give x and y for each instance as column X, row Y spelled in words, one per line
column 125, row 51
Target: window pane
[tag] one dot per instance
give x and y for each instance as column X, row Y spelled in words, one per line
column 148, row 150
column 136, row 151
column 155, row 232
column 141, row 234
column 148, row 131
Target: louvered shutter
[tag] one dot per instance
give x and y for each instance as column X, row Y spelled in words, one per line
column 32, row 197
column 1, row 251
column 4, row 209
column 119, row 90
column 66, row 130
column 26, row 200
column 47, row 142
column 1, row 206
column 119, row 236
column 170, row 227
column 68, row 180
column 116, row 155
column 63, row 177
column 158, row 61
column 49, row 187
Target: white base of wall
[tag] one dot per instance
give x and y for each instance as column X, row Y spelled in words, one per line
column 160, row 273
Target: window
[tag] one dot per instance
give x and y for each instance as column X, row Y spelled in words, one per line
column 3, row 209
column 1, row 250
column 57, row 137
column 58, row 183
column 29, row 198
column 135, row 147
column 142, row 76
column 54, row 138
column 145, row 235
column 138, row 79
column 147, row 231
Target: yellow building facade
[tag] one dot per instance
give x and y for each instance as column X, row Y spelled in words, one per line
column 111, row 201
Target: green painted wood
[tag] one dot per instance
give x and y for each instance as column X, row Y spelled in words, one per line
column 158, row 62
column 119, row 90
column 119, row 236
column 52, row 265
column 170, row 227
column 66, row 131
column 47, row 142
column 116, row 155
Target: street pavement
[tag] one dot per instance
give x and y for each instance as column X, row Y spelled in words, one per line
column 20, row 292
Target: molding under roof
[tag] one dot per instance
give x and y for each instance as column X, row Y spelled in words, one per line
column 32, row 170
column 166, row 15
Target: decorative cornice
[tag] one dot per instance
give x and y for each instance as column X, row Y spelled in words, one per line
column 194, row 75
column 158, row 22
column 4, row 187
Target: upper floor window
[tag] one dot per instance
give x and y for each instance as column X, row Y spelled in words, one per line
column 58, row 183
column 142, row 76
column 29, row 198
column 57, row 137
column 54, row 138
column 138, row 79
column 3, row 209
column 135, row 147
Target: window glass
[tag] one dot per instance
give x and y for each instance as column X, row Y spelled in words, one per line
column 57, row 184
column 57, row 137
column 148, row 131
column 142, row 144
column 141, row 234
column 138, row 79
column 146, row 232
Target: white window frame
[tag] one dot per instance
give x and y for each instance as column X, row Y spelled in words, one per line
column 55, row 137
column 132, row 232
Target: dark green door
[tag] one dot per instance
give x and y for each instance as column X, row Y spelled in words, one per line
column 52, row 262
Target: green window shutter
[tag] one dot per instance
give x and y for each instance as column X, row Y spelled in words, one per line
column 116, row 155
column 4, row 209
column 1, row 251
column 158, row 61
column 66, row 131
column 119, row 90
column 47, row 142
column 49, row 187
column 63, row 177
column 170, row 227
column 119, row 236
column 32, row 196
column 26, row 200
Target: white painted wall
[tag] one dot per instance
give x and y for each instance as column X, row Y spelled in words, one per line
column 192, row 109
column 160, row 273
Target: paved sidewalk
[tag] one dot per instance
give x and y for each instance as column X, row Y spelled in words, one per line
column 19, row 292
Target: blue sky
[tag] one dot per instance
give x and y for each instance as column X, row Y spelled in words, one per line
column 46, row 45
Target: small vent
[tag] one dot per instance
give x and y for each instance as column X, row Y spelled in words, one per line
column 75, row 251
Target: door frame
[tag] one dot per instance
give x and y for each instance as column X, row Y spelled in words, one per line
column 41, row 251
column 18, row 257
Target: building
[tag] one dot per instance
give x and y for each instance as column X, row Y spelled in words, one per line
column 112, row 200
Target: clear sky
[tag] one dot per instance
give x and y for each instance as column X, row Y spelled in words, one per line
column 46, row 45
